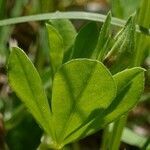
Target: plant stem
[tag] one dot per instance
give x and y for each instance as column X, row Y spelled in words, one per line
column 116, row 133
column 105, row 140
column 70, row 15
column 144, row 21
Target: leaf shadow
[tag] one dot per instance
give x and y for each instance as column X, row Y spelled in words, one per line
column 73, row 98
column 76, row 110
column 118, row 100
column 96, row 119
column 91, row 120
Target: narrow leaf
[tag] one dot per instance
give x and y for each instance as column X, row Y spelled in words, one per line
column 104, row 37
column 85, row 41
column 26, row 83
column 81, row 92
column 66, row 30
column 69, row 15
column 56, row 47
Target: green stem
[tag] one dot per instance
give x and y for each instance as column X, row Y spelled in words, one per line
column 104, row 145
column 116, row 133
column 62, row 15
column 69, row 15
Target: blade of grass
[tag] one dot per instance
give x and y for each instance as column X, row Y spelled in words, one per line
column 69, row 15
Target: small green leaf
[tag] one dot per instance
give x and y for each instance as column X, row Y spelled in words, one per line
column 56, row 47
column 66, row 30
column 26, row 83
column 103, row 39
column 85, row 41
column 80, row 92
column 122, row 52
column 130, row 85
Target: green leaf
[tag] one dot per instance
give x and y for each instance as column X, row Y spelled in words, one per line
column 122, row 53
column 26, row 83
column 130, row 84
column 85, row 41
column 103, row 39
column 56, row 47
column 80, row 92
column 66, row 30
column 68, row 33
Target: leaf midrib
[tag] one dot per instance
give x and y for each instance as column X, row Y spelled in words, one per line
column 76, row 104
